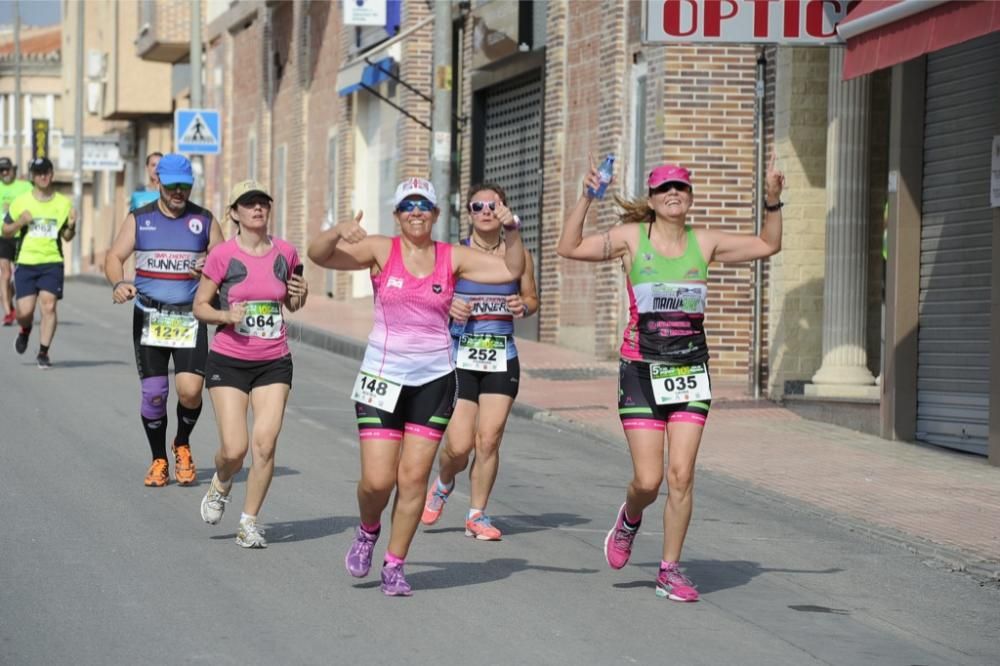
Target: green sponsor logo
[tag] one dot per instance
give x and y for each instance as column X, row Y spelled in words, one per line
column 483, row 341
column 666, row 371
column 254, row 308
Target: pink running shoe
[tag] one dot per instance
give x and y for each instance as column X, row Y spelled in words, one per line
column 359, row 558
column 479, row 526
column 674, row 585
column 394, row 581
column 618, row 543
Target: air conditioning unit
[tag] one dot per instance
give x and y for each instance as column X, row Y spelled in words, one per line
column 96, row 64
column 94, row 94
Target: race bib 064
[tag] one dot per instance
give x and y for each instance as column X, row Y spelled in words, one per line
column 261, row 319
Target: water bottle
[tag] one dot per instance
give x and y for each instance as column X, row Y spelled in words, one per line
column 604, row 176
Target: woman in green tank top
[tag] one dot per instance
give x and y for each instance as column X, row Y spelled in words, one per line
column 664, row 385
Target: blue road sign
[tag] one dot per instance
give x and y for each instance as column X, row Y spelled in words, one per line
column 197, row 131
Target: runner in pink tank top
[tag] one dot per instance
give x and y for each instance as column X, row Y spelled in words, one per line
column 405, row 392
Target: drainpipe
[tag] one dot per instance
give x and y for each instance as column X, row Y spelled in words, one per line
column 78, row 148
column 758, row 266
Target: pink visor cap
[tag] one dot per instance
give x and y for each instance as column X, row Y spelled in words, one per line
column 668, row 173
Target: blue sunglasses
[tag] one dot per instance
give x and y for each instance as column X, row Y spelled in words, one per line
column 410, row 205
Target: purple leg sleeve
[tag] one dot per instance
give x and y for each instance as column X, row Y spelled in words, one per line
column 154, row 397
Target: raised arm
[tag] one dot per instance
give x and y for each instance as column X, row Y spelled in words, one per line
column 608, row 244
column 114, row 262
column 357, row 251
column 487, row 268
column 729, row 247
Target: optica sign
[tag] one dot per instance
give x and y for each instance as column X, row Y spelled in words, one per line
column 802, row 22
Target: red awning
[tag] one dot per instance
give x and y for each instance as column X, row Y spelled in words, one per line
column 882, row 33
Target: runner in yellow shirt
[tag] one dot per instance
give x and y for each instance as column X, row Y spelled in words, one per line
column 40, row 219
column 10, row 189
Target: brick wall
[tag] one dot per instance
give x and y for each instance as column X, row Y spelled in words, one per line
column 323, row 120
column 341, row 281
column 288, row 128
column 593, row 122
column 612, row 133
column 416, row 68
column 555, row 173
column 172, row 20
column 708, row 126
column 215, row 97
column 245, row 85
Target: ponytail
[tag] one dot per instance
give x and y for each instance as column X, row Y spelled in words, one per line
column 634, row 211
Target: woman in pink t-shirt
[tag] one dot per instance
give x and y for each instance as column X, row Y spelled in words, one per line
column 253, row 275
column 406, row 390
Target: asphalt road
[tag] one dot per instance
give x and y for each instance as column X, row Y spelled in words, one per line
column 95, row 568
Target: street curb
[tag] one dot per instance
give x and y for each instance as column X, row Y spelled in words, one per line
column 317, row 337
column 956, row 559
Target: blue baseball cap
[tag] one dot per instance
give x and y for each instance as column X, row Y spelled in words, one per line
column 174, row 168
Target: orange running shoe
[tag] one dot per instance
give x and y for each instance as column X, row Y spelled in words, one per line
column 434, row 505
column 184, row 471
column 156, row 476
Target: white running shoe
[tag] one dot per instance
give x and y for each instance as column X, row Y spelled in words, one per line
column 213, row 504
column 250, row 536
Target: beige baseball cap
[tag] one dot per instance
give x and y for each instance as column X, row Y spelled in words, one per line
column 244, row 188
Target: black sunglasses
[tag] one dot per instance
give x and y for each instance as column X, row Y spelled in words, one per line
column 253, row 202
column 670, row 185
column 173, row 187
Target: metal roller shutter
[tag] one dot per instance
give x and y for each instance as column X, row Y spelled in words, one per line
column 963, row 93
column 512, row 158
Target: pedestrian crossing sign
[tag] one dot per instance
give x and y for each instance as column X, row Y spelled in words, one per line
column 196, row 131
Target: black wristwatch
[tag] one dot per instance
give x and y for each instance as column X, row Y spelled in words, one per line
column 776, row 207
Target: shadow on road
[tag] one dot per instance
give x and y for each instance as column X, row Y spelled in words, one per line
column 460, row 574
column 522, row 524
column 205, row 473
column 58, row 365
column 714, row 575
column 303, row 530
